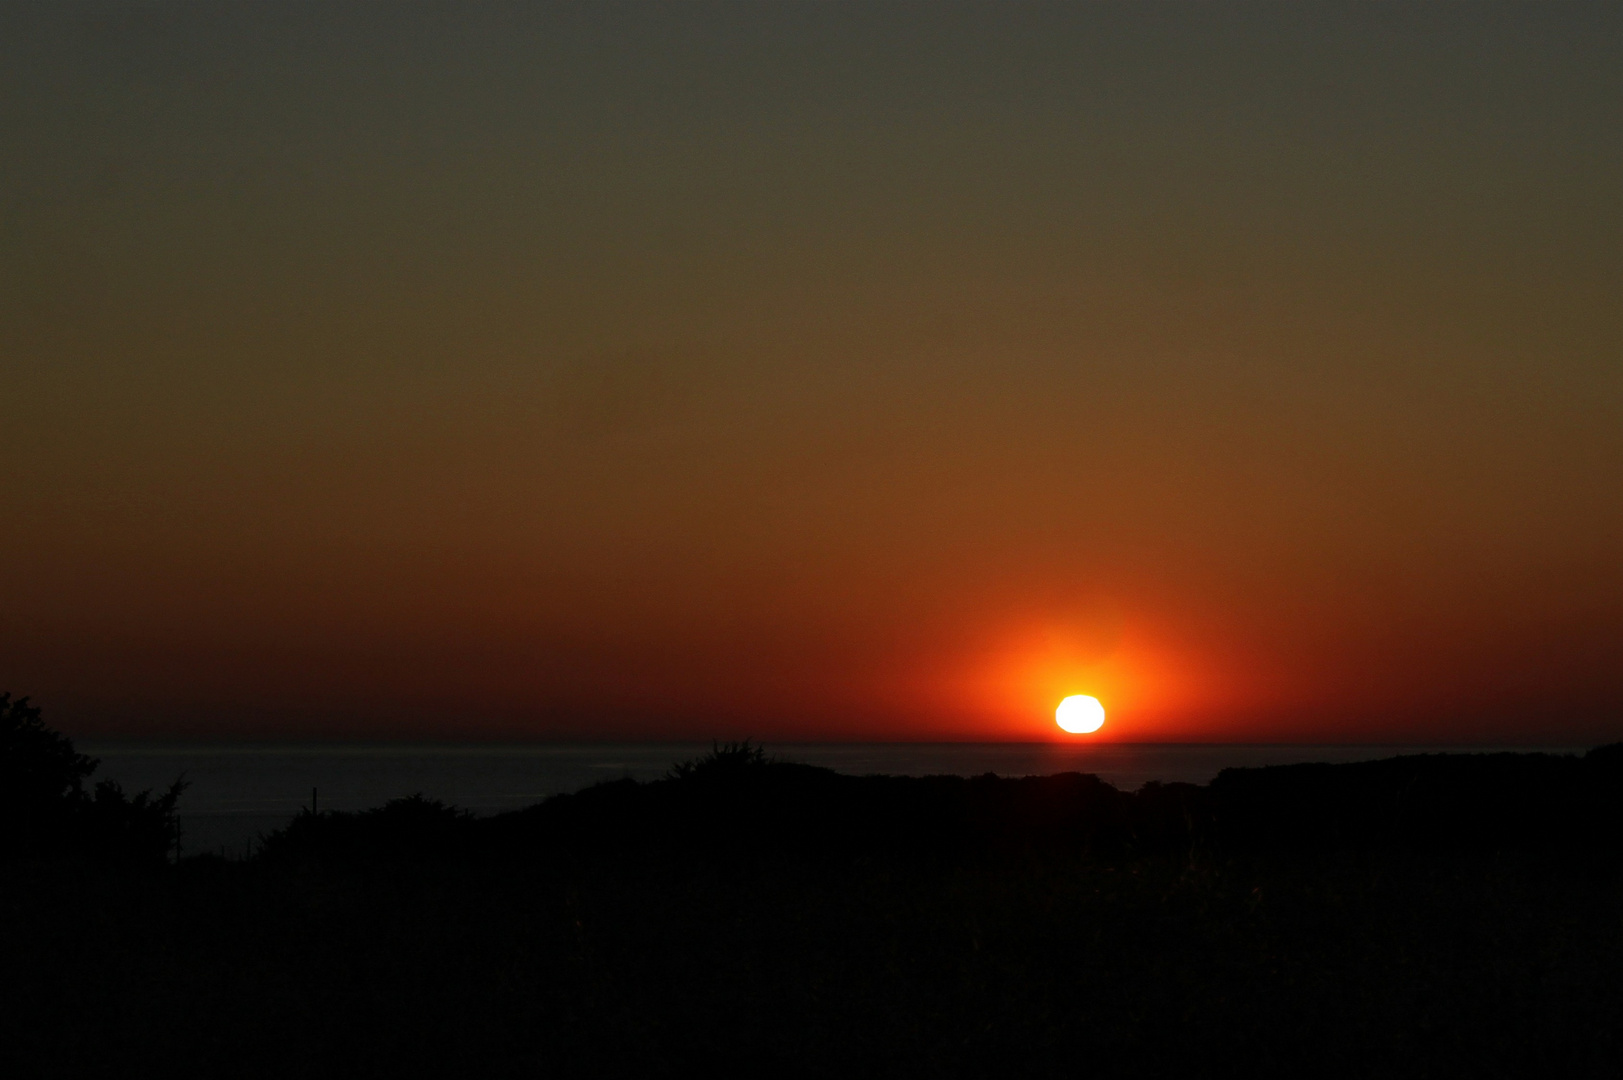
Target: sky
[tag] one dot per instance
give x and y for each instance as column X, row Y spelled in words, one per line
column 813, row 371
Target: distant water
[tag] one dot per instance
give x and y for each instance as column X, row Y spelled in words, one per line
column 238, row 792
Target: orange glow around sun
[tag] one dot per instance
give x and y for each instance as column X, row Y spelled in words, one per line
column 1146, row 684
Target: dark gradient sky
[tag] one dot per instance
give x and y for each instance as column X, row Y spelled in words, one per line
column 813, row 371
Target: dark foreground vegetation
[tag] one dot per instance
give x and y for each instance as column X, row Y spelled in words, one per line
column 1422, row 916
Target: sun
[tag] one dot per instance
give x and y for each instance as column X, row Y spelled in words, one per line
column 1080, row 714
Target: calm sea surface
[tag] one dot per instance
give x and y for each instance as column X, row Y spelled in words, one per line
column 239, row 791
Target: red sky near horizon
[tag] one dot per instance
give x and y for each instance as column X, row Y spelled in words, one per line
column 813, row 371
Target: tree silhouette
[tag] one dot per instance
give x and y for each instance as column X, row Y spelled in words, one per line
column 45, row 811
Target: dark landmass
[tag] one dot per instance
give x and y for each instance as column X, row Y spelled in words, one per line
column 1435, row 915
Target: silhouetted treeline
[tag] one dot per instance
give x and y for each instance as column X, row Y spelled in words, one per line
column 738, row 806
column 47, row 813
column 1426, row 916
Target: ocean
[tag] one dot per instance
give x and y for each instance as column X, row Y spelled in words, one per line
column 238, row 792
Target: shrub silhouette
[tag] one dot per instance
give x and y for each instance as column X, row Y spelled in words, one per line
column 46, row 813
column 726, row 761
column 404, row 831
column 40, row 776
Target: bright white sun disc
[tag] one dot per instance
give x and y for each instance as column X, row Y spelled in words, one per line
column 1079, row 714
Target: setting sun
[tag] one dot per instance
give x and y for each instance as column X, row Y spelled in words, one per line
column 1080, row 714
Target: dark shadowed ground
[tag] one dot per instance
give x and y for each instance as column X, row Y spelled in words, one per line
column 1423, row 916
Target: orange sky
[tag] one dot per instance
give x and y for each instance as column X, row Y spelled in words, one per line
column 813, row 371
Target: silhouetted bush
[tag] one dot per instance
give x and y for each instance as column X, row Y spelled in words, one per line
column 46, row 813
column 402, row 831
column 41, row 779
column 732, row 762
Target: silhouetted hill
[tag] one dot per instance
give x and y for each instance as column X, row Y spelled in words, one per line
column 780, row 810
column 1432, row 801
column 1425, row 916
